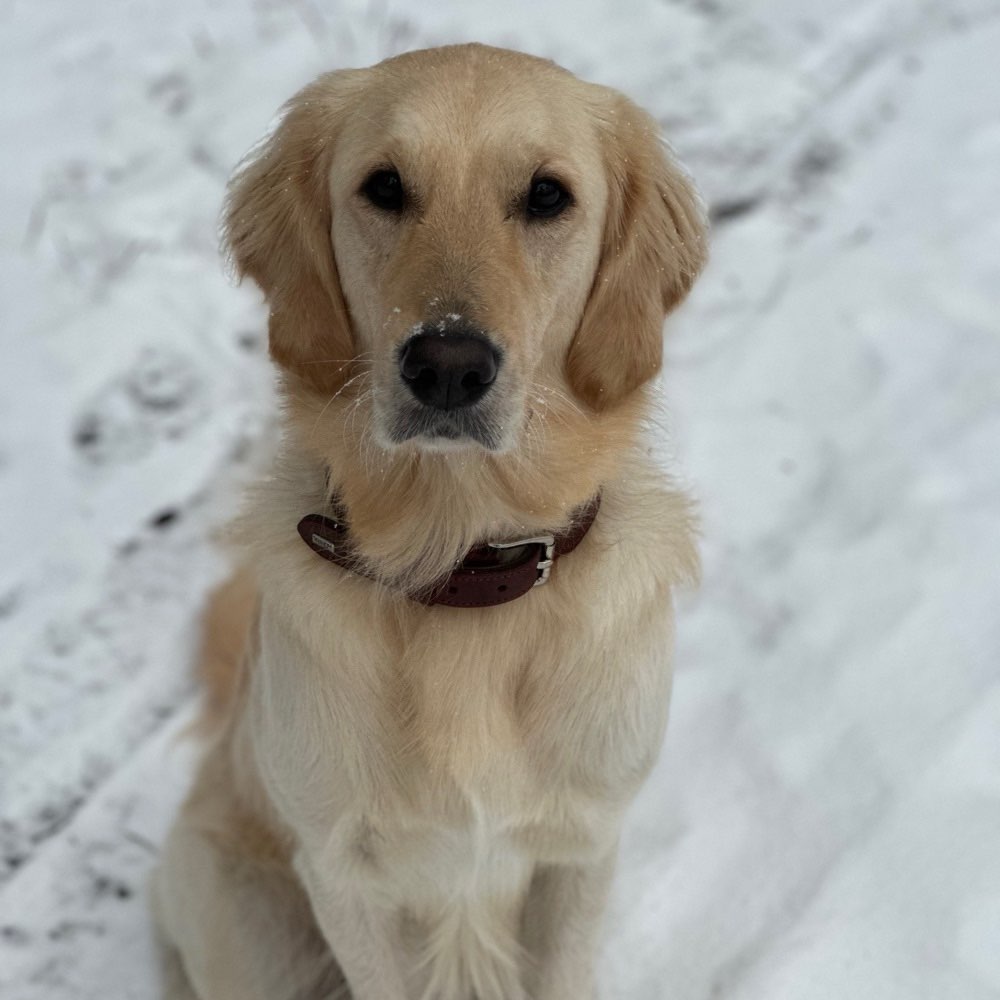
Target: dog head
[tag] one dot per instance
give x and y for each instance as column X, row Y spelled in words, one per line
column 456, row 238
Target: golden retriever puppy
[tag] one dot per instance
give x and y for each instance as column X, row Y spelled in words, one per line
column 445, row 671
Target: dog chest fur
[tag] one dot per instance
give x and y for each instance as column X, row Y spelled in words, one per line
column 399, row 726
column 414, row 753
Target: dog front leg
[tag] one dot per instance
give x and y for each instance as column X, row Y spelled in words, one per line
column 562, row 922
column 234, row 929
column 362, row 935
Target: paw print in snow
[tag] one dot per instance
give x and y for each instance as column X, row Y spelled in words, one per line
column 160, row 398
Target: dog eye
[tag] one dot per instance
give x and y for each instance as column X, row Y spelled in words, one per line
column 547, row 198
column 384, row 190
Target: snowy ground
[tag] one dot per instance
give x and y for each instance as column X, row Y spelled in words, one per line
column 825, row 822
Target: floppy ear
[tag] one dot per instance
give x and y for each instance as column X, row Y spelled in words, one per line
column 654, row 247
column 277, row 227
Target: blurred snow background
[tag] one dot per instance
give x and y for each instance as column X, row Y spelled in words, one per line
column 825, row 821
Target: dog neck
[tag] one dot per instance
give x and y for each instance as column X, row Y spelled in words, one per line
column 492, row 573
column 414, row 514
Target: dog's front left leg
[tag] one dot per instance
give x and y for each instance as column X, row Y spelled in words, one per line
column 562, row 922
column 363, row 936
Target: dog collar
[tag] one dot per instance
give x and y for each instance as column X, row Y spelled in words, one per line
column 490, row 574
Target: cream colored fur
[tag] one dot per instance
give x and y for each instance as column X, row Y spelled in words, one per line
column 408, row 803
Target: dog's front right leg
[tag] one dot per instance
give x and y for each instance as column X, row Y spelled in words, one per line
column 362, row 935
column 234, row 928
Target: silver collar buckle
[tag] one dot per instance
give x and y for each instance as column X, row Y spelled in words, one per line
column 546, row 559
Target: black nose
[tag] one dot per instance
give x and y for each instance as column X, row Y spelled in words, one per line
column 448, row 370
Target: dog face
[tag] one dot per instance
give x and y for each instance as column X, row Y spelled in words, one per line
column 467, row 222
column 457, row 237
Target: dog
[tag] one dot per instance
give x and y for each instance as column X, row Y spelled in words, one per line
column 443, row 670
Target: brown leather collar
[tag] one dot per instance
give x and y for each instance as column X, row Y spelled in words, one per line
column 490, row 574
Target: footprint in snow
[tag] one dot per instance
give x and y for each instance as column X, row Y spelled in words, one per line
column 159, row 399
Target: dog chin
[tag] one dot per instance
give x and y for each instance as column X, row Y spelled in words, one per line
column 442, row 444
column 449, row 432
column 447, row 436
column 423, row 429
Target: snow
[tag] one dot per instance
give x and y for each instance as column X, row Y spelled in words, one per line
column 825, row 819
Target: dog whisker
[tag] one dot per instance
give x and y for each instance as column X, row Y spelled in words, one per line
column 366, row 357
column 334, row 398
